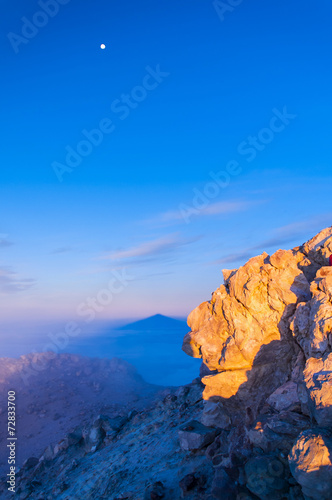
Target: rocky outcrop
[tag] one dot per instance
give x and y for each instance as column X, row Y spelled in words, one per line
column 243, row 333
column 265, row 339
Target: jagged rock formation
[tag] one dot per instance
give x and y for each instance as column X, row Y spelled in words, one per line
column 257, row 424
column 266, row 343
column 243, row 333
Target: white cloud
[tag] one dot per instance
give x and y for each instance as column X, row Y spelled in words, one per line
column 218, row 208
column 306, row 228
column 226, row 207
column 295, row 229
column 150, row 248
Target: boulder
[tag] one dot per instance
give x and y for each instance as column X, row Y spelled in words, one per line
column 266, row 478
column 93, row 438
column 193, row 481
column 317, row 392
column 271, row 431
column 310, row 462
column 48, row 454
column 319, row 248
column 312, row 322
column 223, row 488
column 61, row 446
column 110, row 426
column 75, row 437
column 215, row 415
column 284, row 397
column 30, row 463
column 194, row 435
column 156, row 491
column 218, row 450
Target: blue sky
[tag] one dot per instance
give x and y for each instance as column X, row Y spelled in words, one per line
column 178, row 93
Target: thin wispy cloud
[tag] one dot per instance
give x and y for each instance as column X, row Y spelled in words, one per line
column 11, row 282
column 153, row 275
column 212, row 209
column 152, row 248
column 235, row 257
column 301, row 228
column 281, row 236
column 226, row 207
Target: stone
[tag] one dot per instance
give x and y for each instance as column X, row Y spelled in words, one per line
column 93, row 438
column 188, row 483
column 319, row 248
column 75, row 437
column 192, row 481
column 295, row 493
column 30, row 463
column 317, row 389
column 222, row 487
column 271, row 431
column 194, row 435
column 284, row 397
column 312, row 321
column 217, row 450
column 215, row 415
column 311, row 464
column 61, row 446
column 156, row 492
column 265, row 478
column 110, row 426
column 182, row 392
column 48, row 454
column 227, row 274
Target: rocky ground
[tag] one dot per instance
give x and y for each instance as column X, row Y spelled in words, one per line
column 134, row 454
column 55, row 393
column 256, row 425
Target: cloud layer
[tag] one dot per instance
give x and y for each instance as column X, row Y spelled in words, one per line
column 10, row 282
column 282, row 235
column 211, row 209
column 152, row 248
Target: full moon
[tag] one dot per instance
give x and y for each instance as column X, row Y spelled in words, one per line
column 103, row 46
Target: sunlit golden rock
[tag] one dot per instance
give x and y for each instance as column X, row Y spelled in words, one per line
column 257, row 322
